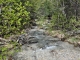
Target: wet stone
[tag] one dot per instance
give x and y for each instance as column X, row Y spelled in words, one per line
column 44, row 47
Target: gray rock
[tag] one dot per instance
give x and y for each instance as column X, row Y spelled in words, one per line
column 45, row 48
column 34, row 32
column 35, row 36
column 22, row 39
column 50, row 38
column 32, row 40
column 66, row 52
column 77, row 32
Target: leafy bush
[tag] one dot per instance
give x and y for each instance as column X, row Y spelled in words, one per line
column 61, row 23
column 9, row 50
column 14, row 17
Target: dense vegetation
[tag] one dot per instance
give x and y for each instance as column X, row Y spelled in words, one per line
column 16, row 15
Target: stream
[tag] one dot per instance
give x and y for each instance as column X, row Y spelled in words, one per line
column 39, row 46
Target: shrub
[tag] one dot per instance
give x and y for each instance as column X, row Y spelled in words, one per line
column 14, row 17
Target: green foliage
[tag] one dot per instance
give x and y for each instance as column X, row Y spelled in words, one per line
column 16, row 14
column 9, row 50
column 61, row 12
column 14, row 17
column 45, row 8
column 60, row 22
column 63, row 18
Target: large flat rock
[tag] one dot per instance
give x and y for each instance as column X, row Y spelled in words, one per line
column 51, row 52
column 45, row 48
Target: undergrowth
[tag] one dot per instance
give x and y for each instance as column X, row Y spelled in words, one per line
column 9, row 50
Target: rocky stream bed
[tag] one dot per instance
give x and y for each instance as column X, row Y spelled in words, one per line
column 39, row 46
